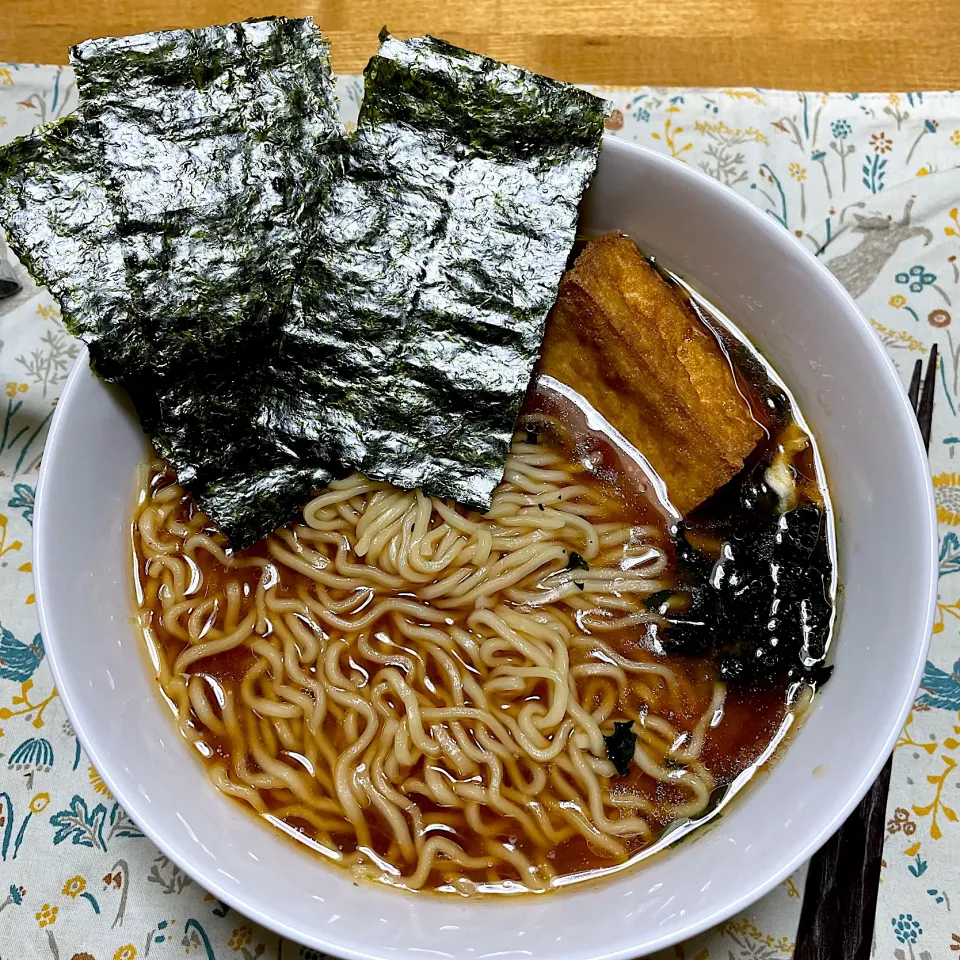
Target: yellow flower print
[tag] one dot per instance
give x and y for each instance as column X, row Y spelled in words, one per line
column 798, row 172
column 241, row 937
column 13, row 388
column 669, row 137
column 946, row 491
column 745, row 928
column 74, row 887
column 955, row 138
column 736, row 94
column 897, row 301
column 6, row 78
column 40, row 803
column 126, row 952
column 901, row 338
column 720, row 131
column 3, row 121
column 894, row 99
column 953, row 231
column 46, row 916
column 96, row 781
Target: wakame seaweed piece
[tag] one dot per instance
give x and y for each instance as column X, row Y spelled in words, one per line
column 219, row 146
column 777, row 589
column 621, row 745
column 422, row 308
column 765, row 609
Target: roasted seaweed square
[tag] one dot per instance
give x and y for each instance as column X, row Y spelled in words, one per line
column 60, row 223
column 423, row 305
column 285, row 306
column 217, row 144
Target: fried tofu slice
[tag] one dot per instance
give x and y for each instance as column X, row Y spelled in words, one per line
column 629, row 342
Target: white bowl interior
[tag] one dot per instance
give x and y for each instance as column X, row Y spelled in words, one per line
column 802, row 320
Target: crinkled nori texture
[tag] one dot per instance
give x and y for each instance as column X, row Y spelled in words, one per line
column 294, row 312
column 59, row 222
column 423, row 307
column 764, row 609
column 218, row 146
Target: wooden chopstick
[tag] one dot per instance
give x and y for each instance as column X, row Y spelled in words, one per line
column 840, row 899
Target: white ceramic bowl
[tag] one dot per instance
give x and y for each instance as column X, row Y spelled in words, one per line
column 802, row 321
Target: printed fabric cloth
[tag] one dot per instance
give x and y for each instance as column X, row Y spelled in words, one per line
column 868, row 181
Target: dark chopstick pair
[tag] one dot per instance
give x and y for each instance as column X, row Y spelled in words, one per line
column 840, row 900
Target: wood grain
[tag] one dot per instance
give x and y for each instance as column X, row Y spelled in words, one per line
column 840, row 897
column 811, row 44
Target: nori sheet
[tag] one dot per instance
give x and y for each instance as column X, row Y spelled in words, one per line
column 218, row 146
column 60, row 224
column 422, row 308
column 286, row 312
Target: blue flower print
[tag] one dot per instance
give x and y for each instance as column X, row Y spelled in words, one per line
column 905, row 928
column 841, row 129
column 82, row 826
column 940, row 690
column 15, row 895
column 22, row 500
column 35, row 752
column 19, row 660
column 917, row 278
column 950, row 543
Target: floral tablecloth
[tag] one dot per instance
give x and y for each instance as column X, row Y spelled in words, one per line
column 869, row 181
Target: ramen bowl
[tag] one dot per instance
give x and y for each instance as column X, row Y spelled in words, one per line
column 805, row 324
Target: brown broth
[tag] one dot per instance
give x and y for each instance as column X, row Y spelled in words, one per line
column 751, row 717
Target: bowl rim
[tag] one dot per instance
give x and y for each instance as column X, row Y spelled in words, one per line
column 727, row 905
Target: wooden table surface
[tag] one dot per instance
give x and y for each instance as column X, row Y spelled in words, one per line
column 812, row 44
